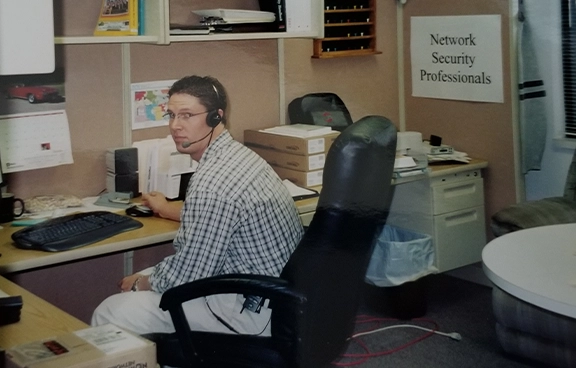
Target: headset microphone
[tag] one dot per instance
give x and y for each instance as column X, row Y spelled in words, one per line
column 188, row 144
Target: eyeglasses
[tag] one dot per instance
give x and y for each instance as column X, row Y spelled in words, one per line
column 182, row 116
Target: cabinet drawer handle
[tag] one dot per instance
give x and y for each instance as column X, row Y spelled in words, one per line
column 462, row 218
column 460, row 190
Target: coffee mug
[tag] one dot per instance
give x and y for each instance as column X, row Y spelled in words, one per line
column 10, row 207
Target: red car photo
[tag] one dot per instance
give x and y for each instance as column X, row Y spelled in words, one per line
column 34, row 94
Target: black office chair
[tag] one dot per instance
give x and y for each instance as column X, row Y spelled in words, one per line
column 320, row 108
column 316, row 297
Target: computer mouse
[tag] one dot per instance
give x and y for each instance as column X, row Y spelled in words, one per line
column 139, row 211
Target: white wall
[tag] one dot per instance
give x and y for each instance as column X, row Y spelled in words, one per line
column 549, row 181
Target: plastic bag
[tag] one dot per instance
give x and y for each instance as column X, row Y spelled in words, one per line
column 399, row 256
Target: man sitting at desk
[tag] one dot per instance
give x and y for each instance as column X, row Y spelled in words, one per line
column 237, row 217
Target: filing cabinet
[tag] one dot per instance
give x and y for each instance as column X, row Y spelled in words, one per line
column 450, row 208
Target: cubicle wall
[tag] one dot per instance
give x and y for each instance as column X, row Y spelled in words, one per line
column 483, row 130
column 260, row 79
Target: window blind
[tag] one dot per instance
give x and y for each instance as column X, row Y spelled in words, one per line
column 569, row 66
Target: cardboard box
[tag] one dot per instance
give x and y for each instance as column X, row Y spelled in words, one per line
column 95, row 347
column 294, row 145
column 291, row 161
column 301, row 178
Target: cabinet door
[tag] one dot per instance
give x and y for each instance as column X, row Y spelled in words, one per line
column 459, row 238
column 26, row 37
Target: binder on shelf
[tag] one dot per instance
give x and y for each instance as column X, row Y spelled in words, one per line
column 118, row 18
column 278, row 7
column 141, row 17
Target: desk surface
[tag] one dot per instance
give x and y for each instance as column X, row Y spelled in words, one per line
column 155, row 230
column 39, row 319
column 536, row 265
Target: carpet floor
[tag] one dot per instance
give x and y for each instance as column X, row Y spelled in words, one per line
column 453, row 304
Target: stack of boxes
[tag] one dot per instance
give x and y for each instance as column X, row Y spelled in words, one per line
column 298, row 159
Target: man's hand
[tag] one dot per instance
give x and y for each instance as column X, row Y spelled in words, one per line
column 154, row 200
column 158, row 203
column 136, row 281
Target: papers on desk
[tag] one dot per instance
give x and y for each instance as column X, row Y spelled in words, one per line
column 160, row 166
column 410, row 165
column 454, row 156
column 297, row 192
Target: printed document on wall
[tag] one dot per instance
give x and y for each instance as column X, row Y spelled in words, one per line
column 457, row 57
column 149, row 101
column 34, row 140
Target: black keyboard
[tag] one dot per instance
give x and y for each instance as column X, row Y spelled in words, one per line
column 73, row 231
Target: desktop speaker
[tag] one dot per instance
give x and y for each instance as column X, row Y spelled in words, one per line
column 122, row 167
column 122, row 161
column 126, row 183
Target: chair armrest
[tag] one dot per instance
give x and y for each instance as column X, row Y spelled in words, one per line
column 269, row 287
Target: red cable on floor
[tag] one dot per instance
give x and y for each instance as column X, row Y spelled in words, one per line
column 365, row 356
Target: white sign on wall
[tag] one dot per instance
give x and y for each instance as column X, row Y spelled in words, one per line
column 457, row 57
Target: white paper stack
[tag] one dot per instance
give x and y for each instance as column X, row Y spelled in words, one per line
column 299, row 130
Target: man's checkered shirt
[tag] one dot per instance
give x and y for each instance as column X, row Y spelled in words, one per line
column 238, row 217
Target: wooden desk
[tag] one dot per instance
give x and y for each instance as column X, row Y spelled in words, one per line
column 39, row 319
column 155, row 230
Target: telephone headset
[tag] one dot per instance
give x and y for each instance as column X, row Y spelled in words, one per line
column 213, row 118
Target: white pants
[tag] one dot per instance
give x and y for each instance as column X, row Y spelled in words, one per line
column 140, row 313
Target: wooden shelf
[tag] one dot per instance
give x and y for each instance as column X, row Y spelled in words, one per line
column 360, row 10
column 346, row 53
column 349, row 29
column 72, row 29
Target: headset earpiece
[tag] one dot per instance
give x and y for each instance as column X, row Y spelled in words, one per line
column 213, row 119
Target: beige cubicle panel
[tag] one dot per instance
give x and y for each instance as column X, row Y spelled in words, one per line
column 482, row 130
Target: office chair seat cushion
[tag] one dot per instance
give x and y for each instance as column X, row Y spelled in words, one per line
column 547, row 211
column 221, row 350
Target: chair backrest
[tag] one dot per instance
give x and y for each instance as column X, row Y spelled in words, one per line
column 321, row 108
column 330, row 262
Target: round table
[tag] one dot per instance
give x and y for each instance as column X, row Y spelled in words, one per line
column 536, row 265
column 534, row 297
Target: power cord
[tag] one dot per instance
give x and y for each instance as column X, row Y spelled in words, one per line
column 363, row 357
column 453, row 335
